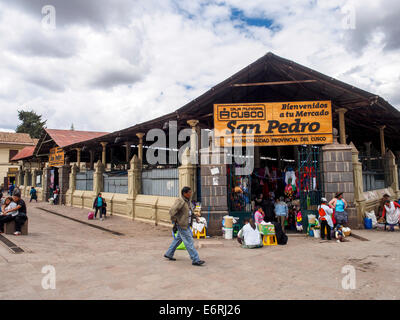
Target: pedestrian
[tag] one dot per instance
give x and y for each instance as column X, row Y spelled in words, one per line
column 16, row 212
column 340, row 205
column 281, row 211
column 325, row 218
column 99, row 204
column 181, row 214
column 33, row 194
column 391, row 213
column 56, row 195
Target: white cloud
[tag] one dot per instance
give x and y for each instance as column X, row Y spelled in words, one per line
column 107, row 67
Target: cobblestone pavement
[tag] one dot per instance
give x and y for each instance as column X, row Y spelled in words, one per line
column 95, row 264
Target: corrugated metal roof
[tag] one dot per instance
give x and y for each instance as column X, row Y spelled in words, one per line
column 26, row 152
column 64, row 138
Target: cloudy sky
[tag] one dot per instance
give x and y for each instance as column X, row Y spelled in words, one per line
column 109, row 64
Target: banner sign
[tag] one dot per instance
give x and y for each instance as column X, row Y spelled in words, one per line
column 273, row 124
column 56, row 157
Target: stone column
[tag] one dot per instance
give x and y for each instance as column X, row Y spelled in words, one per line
column 33, row 173
column 103, row 154
column 134, row 184
column 187, row 172
column 382, row 138
column 359, row 199
column 342, row 125
column 140, row 147
column 98, row 177
column 72, row 185
column 338, row 176
column 63, row 182
column 214, row 187
column 78, row 158
column 46, row 183
column 24, row 192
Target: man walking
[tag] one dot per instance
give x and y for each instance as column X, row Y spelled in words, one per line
column 181, row 216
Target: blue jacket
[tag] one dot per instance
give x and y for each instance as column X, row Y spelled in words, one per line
column 281, row 209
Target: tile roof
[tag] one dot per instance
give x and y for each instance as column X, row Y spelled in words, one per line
column 16, row 138
column 64, row 138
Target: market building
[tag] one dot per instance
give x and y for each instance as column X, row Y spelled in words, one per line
column 10, row 144
column 45, row 166
column 310, row 131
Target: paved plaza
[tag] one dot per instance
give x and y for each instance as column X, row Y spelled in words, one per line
column 95, row 264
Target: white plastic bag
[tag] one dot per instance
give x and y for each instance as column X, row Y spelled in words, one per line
column 371, row 215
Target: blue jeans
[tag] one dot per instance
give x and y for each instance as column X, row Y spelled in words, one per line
column 187, row 237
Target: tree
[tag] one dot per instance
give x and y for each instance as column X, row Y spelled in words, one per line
column 31, row 123
column 72, row 127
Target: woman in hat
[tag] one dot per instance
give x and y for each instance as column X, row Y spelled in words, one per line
column 339, row 204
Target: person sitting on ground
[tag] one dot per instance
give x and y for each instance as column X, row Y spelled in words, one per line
column 339, row 204
column 99, row 204
column 33, row 194
column 281, row 211
column 249, row 236
column 16, row 212
column 380, row 217
column 325, row 217
column 259, row 215
column 391, row 213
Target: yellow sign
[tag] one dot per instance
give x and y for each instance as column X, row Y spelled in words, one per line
column 56, row 157
column 273, row 124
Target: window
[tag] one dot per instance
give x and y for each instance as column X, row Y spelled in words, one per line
column 13, row 153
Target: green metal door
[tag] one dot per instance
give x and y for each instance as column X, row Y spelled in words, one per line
column 311, row 185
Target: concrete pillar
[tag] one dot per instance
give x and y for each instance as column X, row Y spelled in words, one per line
column 91, row 161
column 78, row 158
column 103, row 154
column 98, row 177
column 134, row 184
column 140, row 135
column 359, row 199
column 63, row 182
column 342, row 125
column 338, row 176
column 214, row 187
column 382, row 139
column 72, row 185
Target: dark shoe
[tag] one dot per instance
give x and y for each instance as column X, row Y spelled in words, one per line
column 169, row 258
column 198, row 263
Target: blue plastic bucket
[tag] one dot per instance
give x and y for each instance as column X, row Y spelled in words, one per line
column 368, row 223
